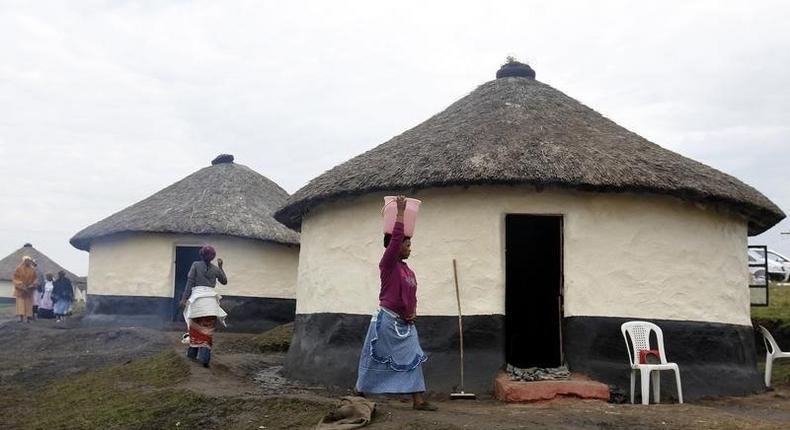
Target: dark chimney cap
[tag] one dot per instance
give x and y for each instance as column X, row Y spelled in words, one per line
column 27, row 245
column 222, row 158
column 515, row 68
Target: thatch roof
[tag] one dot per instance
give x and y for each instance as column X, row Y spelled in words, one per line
column 9, row 264
column 224, row 198
column 516, row 130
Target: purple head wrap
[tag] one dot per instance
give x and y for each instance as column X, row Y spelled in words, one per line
column 207, row 253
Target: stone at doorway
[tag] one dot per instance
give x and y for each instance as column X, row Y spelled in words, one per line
column 520, row 392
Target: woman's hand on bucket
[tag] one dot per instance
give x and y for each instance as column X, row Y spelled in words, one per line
column 400, row 201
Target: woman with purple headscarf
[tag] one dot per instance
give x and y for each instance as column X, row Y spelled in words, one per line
column 201, row 304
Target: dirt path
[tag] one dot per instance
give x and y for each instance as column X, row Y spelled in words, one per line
column 237, row 370
column 45, row 351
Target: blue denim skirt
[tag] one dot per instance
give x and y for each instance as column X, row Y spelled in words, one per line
column 391, row 358
column 62, row 307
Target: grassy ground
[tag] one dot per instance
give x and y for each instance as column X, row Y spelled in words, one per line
column 779, row 304
column 140, row 395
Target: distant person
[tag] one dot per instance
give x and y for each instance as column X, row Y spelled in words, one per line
column 40, row 282
column 46, row 307
column 391, row 358
column 63, row 296
column 24, row 281
column 201, row 304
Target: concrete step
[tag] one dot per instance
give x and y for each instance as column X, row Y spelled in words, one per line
column 578, row 386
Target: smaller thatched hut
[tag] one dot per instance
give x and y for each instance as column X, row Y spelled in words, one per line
column 8, row 266
column 140, row 256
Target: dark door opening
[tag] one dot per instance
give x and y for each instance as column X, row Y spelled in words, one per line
column 185, row 256
column 533, row 290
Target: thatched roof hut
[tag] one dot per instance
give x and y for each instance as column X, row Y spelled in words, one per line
column 519, row 131
column 225, row 198
column 564, row 225
column 141, row 254
column 9, row 264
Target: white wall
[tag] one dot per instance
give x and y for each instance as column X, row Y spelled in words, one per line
column 7, row 289
column 624, row 255
column 144, row 265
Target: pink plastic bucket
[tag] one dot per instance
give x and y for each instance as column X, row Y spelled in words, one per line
column 390, row 211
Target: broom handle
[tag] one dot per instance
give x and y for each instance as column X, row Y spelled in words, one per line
column 460, row 322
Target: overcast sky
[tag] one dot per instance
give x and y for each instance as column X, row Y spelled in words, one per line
column 102, row 103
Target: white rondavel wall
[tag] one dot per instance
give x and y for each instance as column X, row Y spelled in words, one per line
column 625, row 255
column 142, row 264
column 6, row 290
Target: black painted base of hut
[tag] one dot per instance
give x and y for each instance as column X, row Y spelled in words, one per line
column 715, row 359
column 245, row 314
column 325, row 349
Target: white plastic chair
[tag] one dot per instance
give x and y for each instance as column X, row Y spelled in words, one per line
column 772, row 352
column 639, row 333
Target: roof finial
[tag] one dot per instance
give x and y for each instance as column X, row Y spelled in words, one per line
column 222, row 158
column 515, row 68
column 27, row 245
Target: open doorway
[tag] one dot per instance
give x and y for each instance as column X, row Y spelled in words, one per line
column 533, row 290
column 185, row 256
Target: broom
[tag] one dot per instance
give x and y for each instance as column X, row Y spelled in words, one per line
column 462, row 395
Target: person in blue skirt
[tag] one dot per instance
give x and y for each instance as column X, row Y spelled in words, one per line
column 62, row 296
column 391, row 358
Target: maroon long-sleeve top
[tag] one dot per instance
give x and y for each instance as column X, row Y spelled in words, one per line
column 398, row 283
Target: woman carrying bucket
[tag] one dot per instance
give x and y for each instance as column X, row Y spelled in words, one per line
column 391, row 358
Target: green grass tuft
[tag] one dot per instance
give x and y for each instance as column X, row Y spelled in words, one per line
column 161, row 370
column 277, row 339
